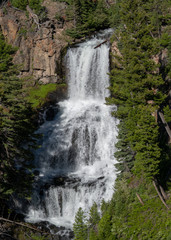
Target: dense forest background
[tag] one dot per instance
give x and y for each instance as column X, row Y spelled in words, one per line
column 140, row 87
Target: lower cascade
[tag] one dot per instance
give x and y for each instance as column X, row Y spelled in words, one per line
column 75, row 164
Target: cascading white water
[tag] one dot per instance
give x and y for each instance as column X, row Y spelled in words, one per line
column 75, row 162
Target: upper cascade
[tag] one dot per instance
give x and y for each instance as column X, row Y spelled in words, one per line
column 88, row 69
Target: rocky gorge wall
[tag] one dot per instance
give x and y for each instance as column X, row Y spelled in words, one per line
column 41, row 46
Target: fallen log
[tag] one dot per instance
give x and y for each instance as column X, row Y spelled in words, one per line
column 23, row 225
column 100, row 44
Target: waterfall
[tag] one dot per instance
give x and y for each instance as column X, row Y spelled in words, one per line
column 75, row 163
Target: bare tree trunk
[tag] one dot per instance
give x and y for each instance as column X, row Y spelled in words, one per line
column 139, row 198
column 160, row 196
column 163, row 193
column 34, row 16
column 165, row 124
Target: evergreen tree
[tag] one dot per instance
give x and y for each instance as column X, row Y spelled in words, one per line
column 80, row 226
column 16, row 128
column 124, row 154
column 35, row 5
column 104, row 227
column 88, row 17
column 94, row 218
column 94, row 215
column 137, row 85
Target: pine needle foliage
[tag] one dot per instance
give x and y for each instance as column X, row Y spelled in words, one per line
column 35, row 5
column 88, row 16
column 16, row 128
column 80, row 226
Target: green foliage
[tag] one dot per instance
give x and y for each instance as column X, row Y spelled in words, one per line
column 88, row 17
column 114, row 13
column 136, row 86
column 167, row 113
column 22, row 32
column 15, row 126
column 168, row 66
column 125, row 218
column 21, row 4
column 94, row 215
column 37, row 95
column 80, row 226
column 104, row 227
column 33, row 4
column 147, row 216
column 38, row 8
column 124, row 154
column 38, row 237
column 143, row 135
column 94, row 218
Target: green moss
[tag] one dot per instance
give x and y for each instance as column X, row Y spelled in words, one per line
column 38, row 95
column 22, row 32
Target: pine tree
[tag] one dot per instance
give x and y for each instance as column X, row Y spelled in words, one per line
column 94, row 218
column 124, row 155
column 94, row 215
column 104, row 227
column 80, row 226
column 16, row 128
column 88, row 16
column 137, row 84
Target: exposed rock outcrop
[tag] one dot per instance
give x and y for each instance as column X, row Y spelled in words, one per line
column 40, row 47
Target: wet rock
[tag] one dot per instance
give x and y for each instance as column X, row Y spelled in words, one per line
column 50, row 113
column 56, row 233
column 19, row 205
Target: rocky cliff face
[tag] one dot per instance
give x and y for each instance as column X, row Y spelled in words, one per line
column 40, row 46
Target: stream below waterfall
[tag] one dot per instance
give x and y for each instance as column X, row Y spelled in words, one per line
column 75, row 163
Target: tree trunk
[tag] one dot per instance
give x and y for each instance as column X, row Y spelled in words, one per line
column 165, row 124
column 139, row 198
column 163, row 193
column 23, row 225
column 33, row 16
column 100, row 44
column 160, row 196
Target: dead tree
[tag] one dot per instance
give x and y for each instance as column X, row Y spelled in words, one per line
column 33, row 16
column 160, row 196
